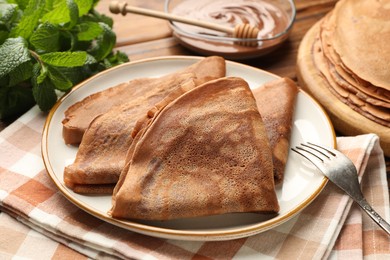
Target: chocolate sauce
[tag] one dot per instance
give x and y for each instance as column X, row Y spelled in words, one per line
column 270, row 18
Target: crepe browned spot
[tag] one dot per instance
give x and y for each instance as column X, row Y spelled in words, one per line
column 205, row 153
column 80, row 115
column 276, row 103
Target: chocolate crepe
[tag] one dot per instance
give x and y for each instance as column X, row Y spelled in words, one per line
column 102, row 152
column 80, row 115
column 276, row 103
column 205, row 153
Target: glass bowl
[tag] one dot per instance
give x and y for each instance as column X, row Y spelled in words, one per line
column 274, row 18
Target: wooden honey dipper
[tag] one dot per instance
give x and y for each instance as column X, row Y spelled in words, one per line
column 240, row 31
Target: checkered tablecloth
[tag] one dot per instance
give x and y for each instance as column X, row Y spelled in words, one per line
column 37, row 222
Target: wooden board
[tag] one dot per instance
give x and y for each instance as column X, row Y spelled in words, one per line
column 346, row 121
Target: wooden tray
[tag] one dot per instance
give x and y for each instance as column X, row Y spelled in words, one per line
column 346, row 121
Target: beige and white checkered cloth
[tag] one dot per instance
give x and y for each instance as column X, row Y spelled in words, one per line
column 37, row 222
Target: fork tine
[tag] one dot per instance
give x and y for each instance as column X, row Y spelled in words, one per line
column 332, row 152
column 313, row 154
column 310, row 156
column 297, row 148
column 315, row 151
column 323, row 148
column 305, row 153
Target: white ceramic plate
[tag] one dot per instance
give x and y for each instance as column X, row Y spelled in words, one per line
column 299, row 188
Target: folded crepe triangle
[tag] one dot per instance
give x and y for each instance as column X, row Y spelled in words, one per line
column 204, row 153
column 276, row 101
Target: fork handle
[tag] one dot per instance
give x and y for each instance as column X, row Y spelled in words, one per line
column 374, row 215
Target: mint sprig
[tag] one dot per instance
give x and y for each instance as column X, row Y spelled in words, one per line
column 48, row 46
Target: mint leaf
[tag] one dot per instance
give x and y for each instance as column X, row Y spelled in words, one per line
column 21, row 73
column 43, row 93
column 33, row 6
column 87, row 31
column 74, row 74
column 42, row 73
column 65, row 59
column 59, row 80
column 84, row 6
column 73, row 12
column 90, row 60
column 115, row 59
column 13, row 52
column 15, row 100
column 29, row 20
column 22, row 3
column 3, row 36
column 7, row 12
column 49, row 45
column 118, row 58
column 61, row 13
column 46, row 38
column 104, row 43
column 97, row 17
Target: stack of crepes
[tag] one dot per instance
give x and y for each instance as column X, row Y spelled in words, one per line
column 186, row 145
column 352, row 52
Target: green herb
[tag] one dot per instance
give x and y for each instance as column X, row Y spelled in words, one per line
column 48, row 46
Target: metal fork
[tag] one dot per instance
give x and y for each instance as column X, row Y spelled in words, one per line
column 340, row 170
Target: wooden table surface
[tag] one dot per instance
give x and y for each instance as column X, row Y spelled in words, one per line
column 144, row 37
